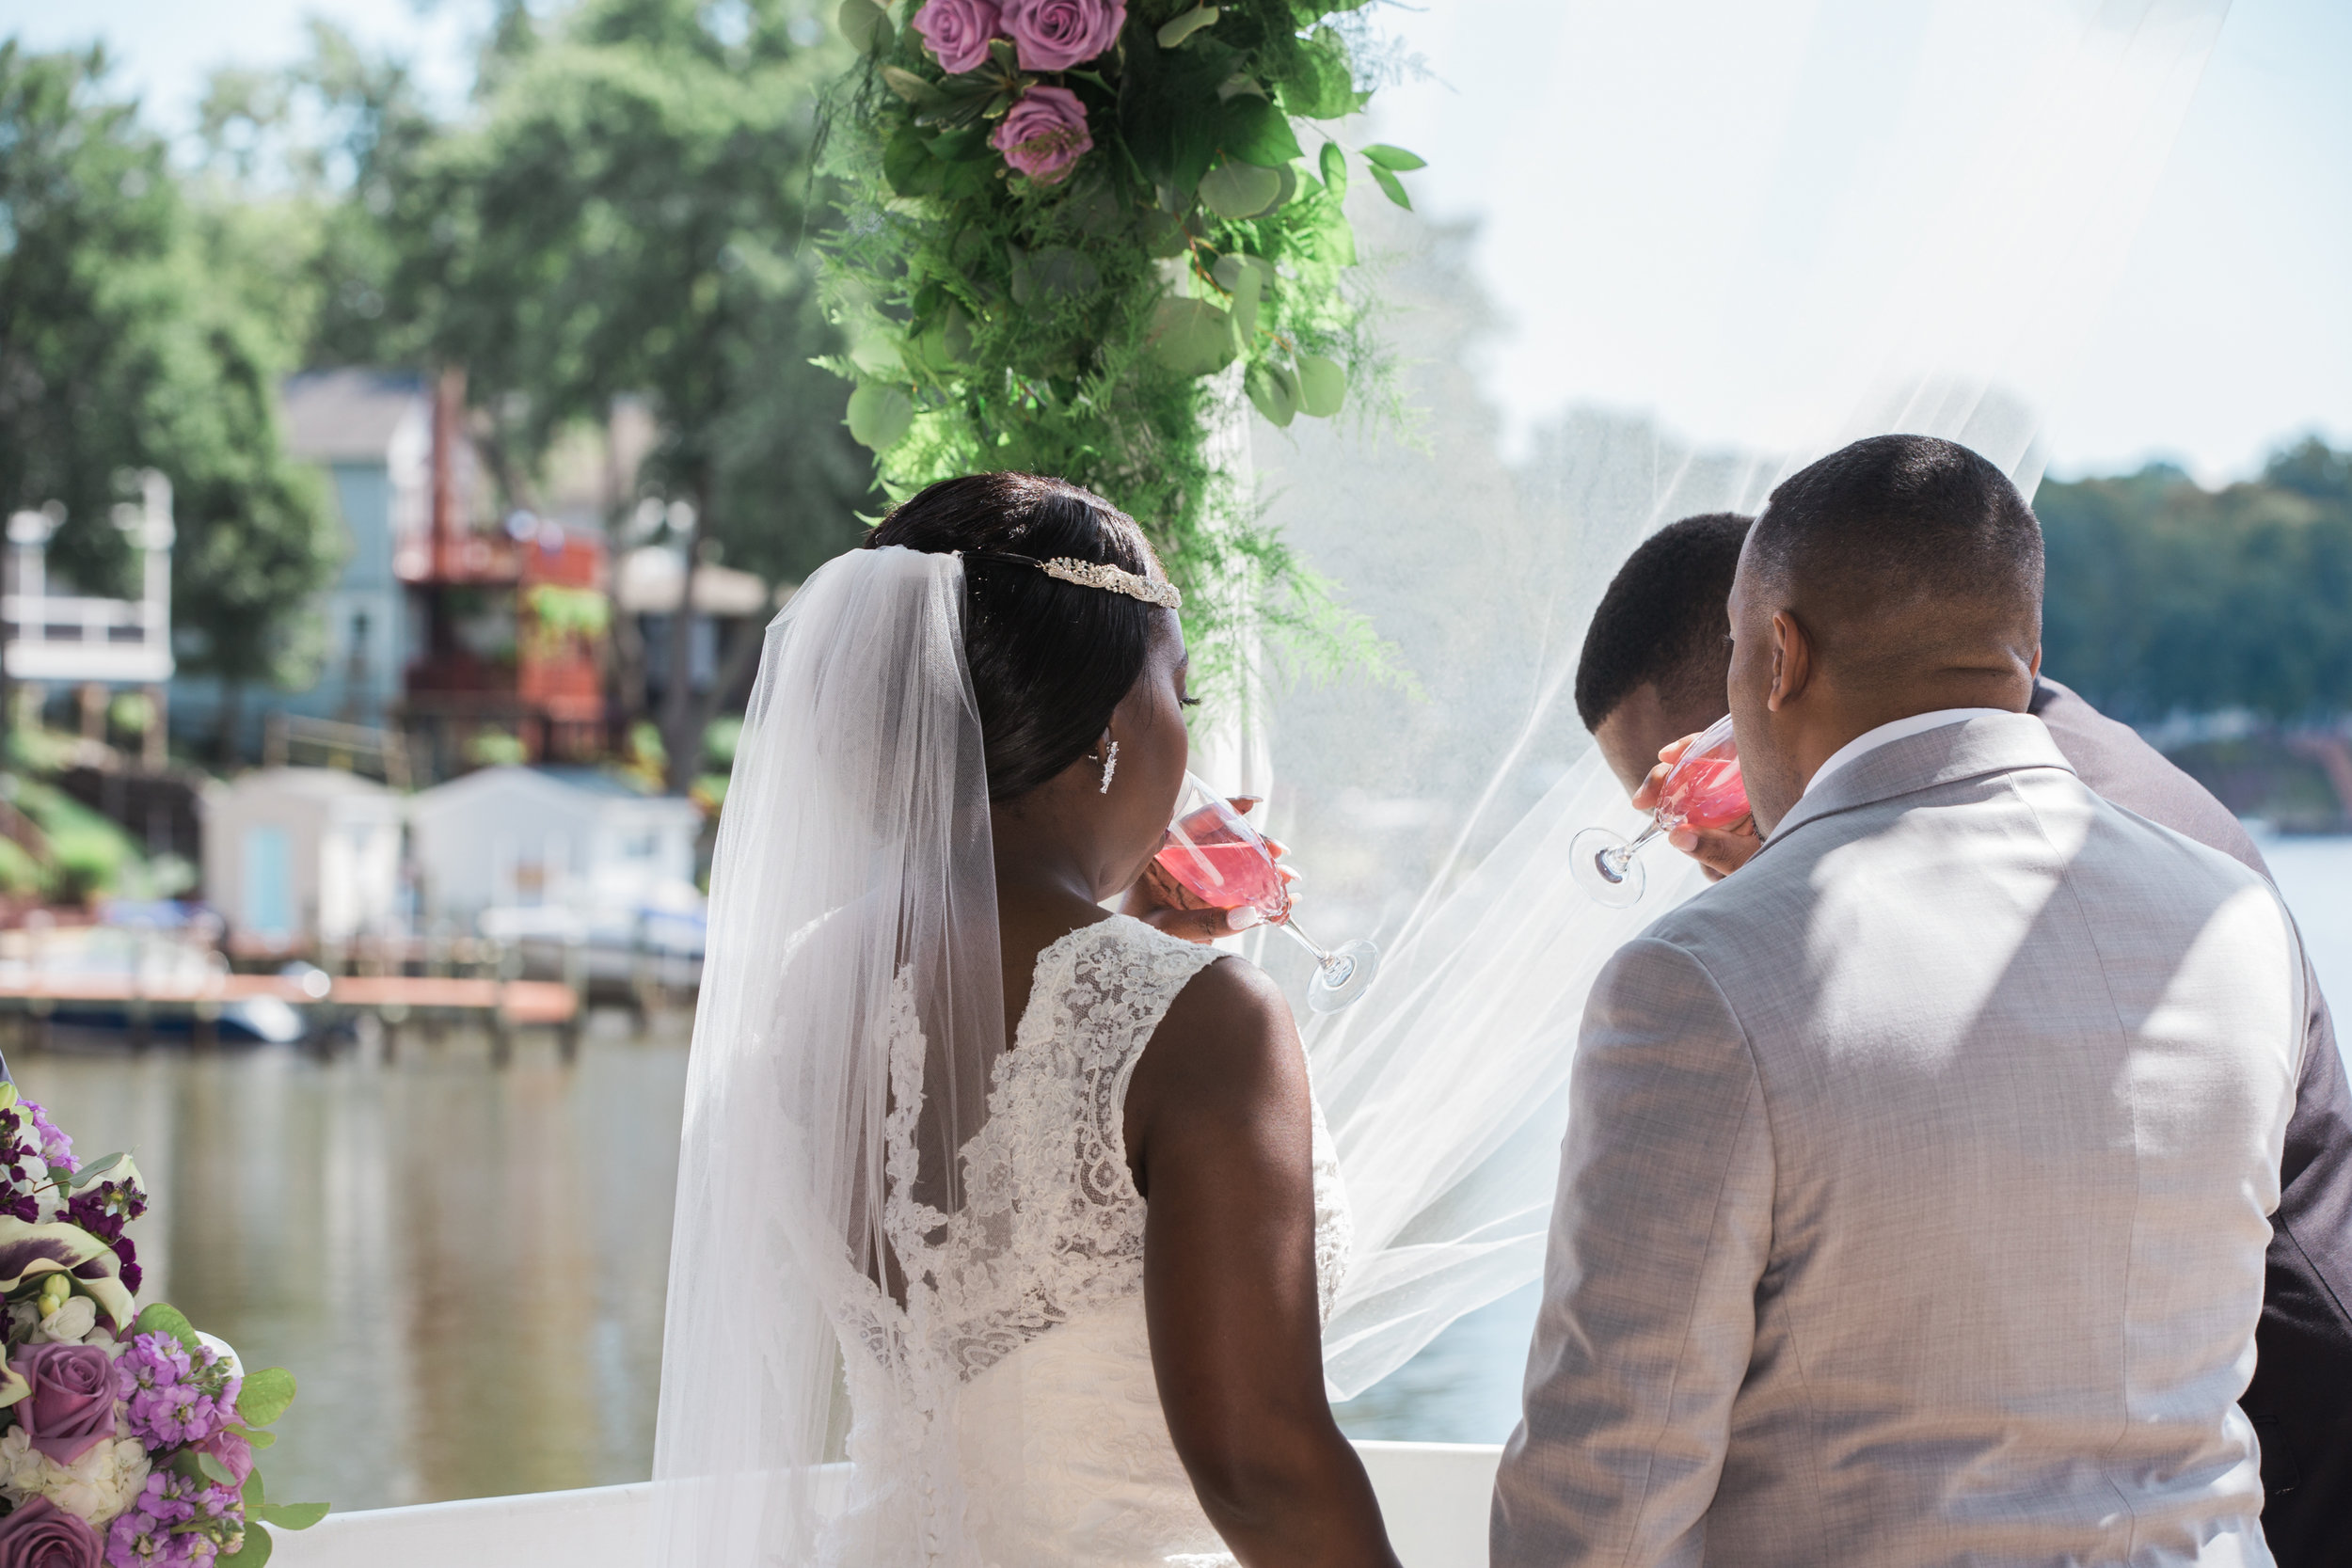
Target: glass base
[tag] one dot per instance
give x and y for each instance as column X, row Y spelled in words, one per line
column 1346, row 977
column 1603, row 864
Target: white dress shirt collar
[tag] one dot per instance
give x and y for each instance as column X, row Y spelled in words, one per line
column 1900, row 729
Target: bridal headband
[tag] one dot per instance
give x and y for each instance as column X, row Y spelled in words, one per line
column 1093, row 574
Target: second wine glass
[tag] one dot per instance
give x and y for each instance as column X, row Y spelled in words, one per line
column 1221, row 860
column 1703, row 790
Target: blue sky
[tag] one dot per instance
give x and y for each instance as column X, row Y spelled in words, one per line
column 2226, row 327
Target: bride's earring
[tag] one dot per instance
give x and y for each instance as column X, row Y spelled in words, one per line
column 1110, row 766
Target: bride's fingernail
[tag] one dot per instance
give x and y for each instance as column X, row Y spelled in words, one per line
column 1242, row 918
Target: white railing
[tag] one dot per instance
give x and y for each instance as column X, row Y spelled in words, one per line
column 1432, row 1495
column 71, row 637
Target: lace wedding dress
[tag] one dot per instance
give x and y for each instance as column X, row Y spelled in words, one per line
column 1017, row 1380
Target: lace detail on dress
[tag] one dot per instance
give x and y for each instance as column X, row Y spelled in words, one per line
column 1050, row 1233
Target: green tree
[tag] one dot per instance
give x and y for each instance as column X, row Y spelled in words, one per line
column 140, row 330
column 626, row 216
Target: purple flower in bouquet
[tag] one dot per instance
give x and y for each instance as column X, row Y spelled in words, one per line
column 39, row 1534
column 45, row 1140
column 957, row 32
column 1044, row 134
column 1055, row 35
column 171, row 1396
column 145, row 1536
column 72, row 1406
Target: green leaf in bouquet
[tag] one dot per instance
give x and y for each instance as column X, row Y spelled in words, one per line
column 878, row 415
column 163, row 1318
column 197, row 1466
column 94, row 1171
column 265, row 1396
column 1320, row 84
column 256, row 1437
column 1322, row 385
column 908, row 165
column 1233, row 190
column 7, row 1093
column 256, row 1547
column 290, row 1515
column 1063, row 273
column 1247, row 278
column 915, row 90
column 1258, row 131
column 1164, row 234
column 1334, row 162
column 1173, row 33
column 1272, row 389
column 865, row 24
column 1381, row 155
column 1191, row 337
column 1392, row 187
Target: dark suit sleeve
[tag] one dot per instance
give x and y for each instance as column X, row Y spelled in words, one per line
column 2301, row 1401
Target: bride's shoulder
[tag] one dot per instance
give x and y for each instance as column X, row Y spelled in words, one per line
column 1228, row 1038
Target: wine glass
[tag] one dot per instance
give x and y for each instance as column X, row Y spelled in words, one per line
column 1220, row 859
column 1702, row 790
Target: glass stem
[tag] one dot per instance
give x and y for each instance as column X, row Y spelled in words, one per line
column 1621, row 858
column 1323, row 958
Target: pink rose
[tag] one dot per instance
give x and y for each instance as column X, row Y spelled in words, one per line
column 957, row 32
column 1055, row 35
column 39, row 1534
column 1043, row 133
column 72, row 1406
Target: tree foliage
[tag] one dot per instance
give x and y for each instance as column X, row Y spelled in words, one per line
column 2164, row 596
column 141, row 329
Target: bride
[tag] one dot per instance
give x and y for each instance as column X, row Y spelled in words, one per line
column 1026, row 1208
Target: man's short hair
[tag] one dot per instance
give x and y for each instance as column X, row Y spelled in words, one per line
column 1898, row 520
column 1662, row 620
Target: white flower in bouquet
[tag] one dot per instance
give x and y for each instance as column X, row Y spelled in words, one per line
column 95, row 1487
column 71, row 1323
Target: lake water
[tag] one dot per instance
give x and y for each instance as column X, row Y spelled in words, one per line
column 465, row 1265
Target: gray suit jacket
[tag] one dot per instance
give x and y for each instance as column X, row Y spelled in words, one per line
column 1914, row 1198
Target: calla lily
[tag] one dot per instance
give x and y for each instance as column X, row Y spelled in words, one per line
column 28, row 1251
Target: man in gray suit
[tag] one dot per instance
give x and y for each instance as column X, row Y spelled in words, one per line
column 1914, row 1200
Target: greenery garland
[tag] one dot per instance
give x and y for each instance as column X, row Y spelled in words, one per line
column 1063, row 219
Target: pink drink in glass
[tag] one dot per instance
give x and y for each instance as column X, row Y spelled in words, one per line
column 1706, row 794
column 1702, row 790
column 1222, row 868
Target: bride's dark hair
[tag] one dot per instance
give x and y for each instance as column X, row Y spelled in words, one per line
column 1049, row 660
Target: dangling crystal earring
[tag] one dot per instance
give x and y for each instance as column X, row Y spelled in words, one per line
column 1110, row 766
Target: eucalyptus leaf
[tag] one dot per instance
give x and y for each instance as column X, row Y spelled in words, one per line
column 1271, row 388
column 292, row 1515
column 1233, row 190
column 91, row 1172
column 1191, row 337
column 864, row 25
column 256, row 1437
column 1320, row 84
column 265, row 1396
column 1322, row 385
column 1381, row 155
column 1257, row 131
column 1334, row 163
column 878, row 415
column 1288, row 188
column 1163, row 234
column 1172, row 34
column 1392, row 185
column 213, row 1469
column 257, row 1546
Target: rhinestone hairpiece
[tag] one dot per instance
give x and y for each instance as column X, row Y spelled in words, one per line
column 1095, row 574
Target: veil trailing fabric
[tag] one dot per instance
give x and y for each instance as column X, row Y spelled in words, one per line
column 852, row 1010
column 1878, row 216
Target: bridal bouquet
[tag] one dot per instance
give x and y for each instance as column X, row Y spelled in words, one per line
column 1063, row 216
column 126, row 1439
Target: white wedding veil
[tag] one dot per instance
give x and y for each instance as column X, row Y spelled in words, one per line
column 1878, row 215
column 852, row 1008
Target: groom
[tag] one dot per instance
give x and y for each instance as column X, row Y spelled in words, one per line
column 1653, row 669
column 1915, row 1200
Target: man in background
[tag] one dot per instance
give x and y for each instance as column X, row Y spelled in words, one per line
column 1653, row 672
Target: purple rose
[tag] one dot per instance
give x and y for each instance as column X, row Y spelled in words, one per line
column 72, row 1406
column 1055, row 35
column 1043, row 133
column 39, row 1534
column 957, row 32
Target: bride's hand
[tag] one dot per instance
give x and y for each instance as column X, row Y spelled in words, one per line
column 1720, row 852
column 1160, row 900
